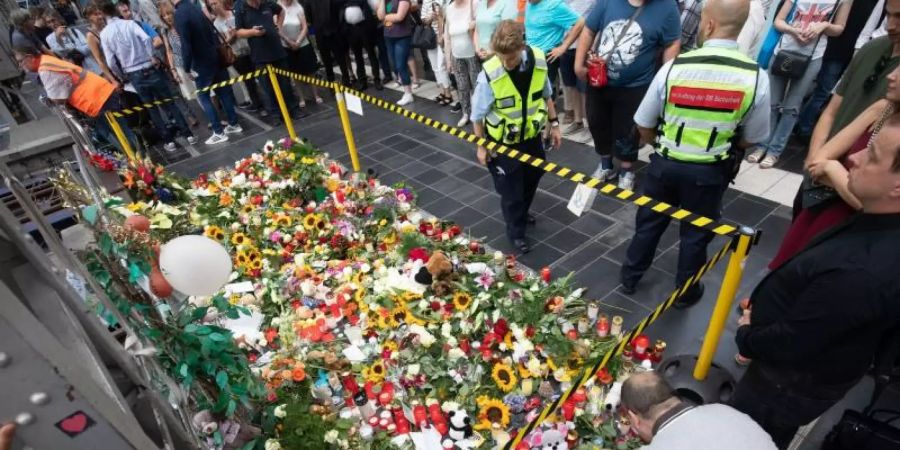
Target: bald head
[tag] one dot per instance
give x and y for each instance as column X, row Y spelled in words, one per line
column 723, row 19
column 644, row 393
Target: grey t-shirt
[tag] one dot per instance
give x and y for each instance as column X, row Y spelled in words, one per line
column 710, row 427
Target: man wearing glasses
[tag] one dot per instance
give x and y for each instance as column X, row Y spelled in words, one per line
column 864, row 82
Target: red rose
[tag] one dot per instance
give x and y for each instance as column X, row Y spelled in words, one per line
column 419, row 253
column 501, row 328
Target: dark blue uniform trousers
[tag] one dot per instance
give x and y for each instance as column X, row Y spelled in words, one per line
column 516, row 183
column 695, row 187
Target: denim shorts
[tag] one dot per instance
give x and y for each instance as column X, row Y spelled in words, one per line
column 567, row 71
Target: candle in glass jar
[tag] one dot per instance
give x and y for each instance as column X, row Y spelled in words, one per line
column 545, row 274
column 602, row 325
column 592, row 310
column 616, row 328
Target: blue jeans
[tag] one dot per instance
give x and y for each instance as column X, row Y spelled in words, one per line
column 787, row 97
column 399, row 51
column 225, row 95
column 384, row 58
column 829, row 75
column 151, row 86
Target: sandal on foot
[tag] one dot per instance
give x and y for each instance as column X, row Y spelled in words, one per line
column 319, row 100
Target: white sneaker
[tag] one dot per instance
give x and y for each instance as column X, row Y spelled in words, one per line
column 192, row 140
column 463, row 121
column 232, row 129
column 605, row 174
column 393, row 85
column 405, row 100
column 216, row 139
column 573, row 128
column 626, row 180
column 170, row 147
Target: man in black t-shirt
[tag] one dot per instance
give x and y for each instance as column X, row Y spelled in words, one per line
column 255, row 20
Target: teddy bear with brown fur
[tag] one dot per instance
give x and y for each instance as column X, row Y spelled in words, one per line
column 438, row 272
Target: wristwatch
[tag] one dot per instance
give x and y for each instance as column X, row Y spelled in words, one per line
column 554, row 122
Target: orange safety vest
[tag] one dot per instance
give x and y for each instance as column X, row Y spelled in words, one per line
column 521, row 8
column 90, row 91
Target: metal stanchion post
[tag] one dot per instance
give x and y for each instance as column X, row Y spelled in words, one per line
column 696, row 377
column 730, row 283
column 345, row 122
column 284, row 109
column 126, row 146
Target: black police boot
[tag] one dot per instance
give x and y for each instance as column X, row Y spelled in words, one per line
column 691, row 297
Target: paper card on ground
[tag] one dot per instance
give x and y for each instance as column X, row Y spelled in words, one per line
column 244, row 325
column 429, row 439
column 354, row 104
column 354, row 354
column 238, row 288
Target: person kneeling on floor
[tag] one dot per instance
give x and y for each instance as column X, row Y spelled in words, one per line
column 665, row 422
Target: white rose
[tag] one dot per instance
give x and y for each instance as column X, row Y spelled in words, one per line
column 262, row 342
column 280, row 411
column 330, row 437
column 365, row 268
column 455, row 353
column 533, row 366
column 272, row 444
column 413, row 369
column 446, row 330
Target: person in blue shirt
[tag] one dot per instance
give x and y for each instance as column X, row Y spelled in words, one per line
column 551, row 26
column 632, row 34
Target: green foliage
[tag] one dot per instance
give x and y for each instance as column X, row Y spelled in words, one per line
column 300, row 428
column 409, row 241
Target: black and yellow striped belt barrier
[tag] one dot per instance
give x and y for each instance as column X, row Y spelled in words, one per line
column 623, row 341
column 157, row 103
column 607, row 189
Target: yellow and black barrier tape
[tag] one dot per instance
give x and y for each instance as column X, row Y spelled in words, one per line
column 607, row 189
column 623, row 341
column 157, row 103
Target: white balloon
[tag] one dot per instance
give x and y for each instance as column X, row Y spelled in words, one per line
column 195, row 265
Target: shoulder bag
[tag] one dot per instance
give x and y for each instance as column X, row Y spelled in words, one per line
column 792, row 64
column 597, row 70
column 423, row 36
column 224, row 50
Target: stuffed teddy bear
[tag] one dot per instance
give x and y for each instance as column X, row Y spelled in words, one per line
column 460, row 425
column 437, row 272
column 554, row 440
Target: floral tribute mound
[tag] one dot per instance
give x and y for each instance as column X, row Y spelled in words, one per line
column 373, row 325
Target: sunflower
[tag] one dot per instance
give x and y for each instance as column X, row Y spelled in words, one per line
column 504, row 376
column 523, row 371
column 390, row 345
column 400, row 314
column 309, row 221
column 239, row 239
column 461, row 300
column 321, row 224
column 491, row 411
column 214, row 232
column 375, row 372
column 574, row 364
column 283, row 220
column 386, row 321
column 390, row 238
column 256, row 264
column 248, row 208
column 242, row 258
column 307, row 160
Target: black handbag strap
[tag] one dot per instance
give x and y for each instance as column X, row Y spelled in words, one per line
column 621, row 33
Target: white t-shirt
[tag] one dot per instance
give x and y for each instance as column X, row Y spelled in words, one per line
column 707, row 427
column 292, row 26
column 458, row 24
column 225, row 26
column 58, row 86
column 808, row 12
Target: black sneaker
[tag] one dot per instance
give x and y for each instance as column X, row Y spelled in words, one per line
column 378, row 85
column 457, row 107
column 691, row 297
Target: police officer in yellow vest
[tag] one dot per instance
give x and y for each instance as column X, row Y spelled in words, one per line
column 511, row 106
column 702, row 110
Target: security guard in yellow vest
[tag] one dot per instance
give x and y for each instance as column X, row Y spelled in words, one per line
column 702, row 110
column 511, row 105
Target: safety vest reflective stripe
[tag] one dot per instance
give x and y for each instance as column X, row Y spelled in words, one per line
column 513, row 118
column 708, row 92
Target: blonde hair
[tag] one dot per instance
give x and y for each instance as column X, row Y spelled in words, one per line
column 509, row 37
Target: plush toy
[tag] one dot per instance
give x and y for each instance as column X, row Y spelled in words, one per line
column 613, row 397
column 554, row 440
column 440, row 268
column 460, row 425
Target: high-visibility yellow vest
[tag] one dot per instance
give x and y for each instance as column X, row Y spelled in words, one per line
column 89, row 90
column 708, row 93
column 513, row 119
